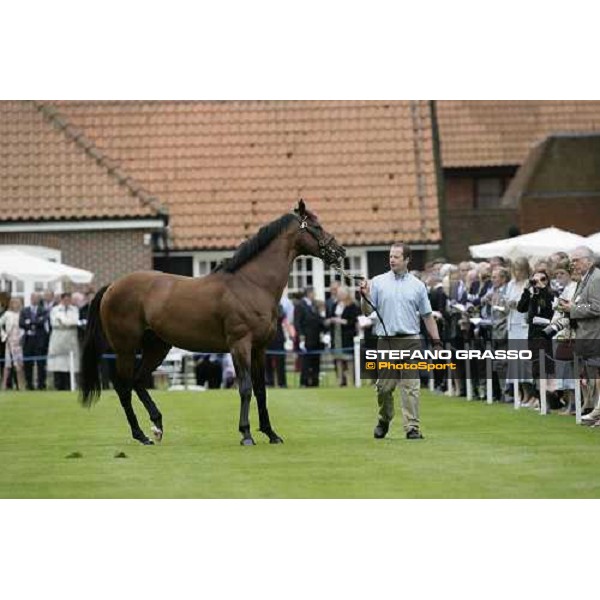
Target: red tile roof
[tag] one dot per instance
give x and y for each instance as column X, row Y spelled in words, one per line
column 50, row 171
column 225, row 168
column 495, row 133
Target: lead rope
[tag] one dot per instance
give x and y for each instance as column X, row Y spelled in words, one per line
column 352, row 278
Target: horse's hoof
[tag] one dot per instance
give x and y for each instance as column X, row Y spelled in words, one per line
column 157, row 433
column 247, row 442
column 144, row 440
column 275, row 440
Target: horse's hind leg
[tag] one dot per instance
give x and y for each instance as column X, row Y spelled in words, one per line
column 154, row 351
column 260, row 391
column 123, row 383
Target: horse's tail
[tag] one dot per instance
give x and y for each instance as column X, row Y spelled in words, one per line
column 93, row 345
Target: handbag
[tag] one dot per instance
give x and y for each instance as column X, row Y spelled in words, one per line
column 565, row 349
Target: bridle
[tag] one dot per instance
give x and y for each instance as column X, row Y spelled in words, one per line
column 327, row 252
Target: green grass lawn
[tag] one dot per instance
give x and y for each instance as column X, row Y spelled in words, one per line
column 471, row 450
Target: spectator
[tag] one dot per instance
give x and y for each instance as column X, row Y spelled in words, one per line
column 584, row 311
column 228, row 370
column 562, row 346
column 10, row 333
column 537, row 301
column 481, row 333
column 436, row 265
column 438, row 301
column 81, row 302
column 49, row 303
column 208, row 371
column 35, row 323
column 496, row 299
column 458, row 326
column 497, row 261
column 343, row 327
column 4, row 301
column 275, row 358
column 518, row 329
column 309, row 325
column 332, row 301
column 64, row 319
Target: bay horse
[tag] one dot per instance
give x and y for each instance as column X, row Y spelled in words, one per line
column 232, row 309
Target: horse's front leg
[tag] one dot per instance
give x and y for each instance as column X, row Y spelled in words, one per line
column 241, row 352
column 258, row 383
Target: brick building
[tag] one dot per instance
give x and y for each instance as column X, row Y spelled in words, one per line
column 217, row 171
column 559, row 182
column 483, row 143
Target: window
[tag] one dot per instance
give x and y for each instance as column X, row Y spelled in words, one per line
column 309, row 271
column 301, row 274
column 353, row 265
column 206, row 266
column 205, row 262
column 488, row 192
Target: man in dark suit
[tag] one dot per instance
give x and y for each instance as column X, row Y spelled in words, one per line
column 439, row 300
column 34, row 321
column 309, row 326
column 584, row 313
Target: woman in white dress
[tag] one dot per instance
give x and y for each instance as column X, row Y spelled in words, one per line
column 11, row 334
column 518, row 328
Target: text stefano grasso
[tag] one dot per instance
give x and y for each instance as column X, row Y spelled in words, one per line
column 448, row 354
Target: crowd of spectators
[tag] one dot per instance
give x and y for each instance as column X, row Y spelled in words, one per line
column 544, row 304
column 44, row 337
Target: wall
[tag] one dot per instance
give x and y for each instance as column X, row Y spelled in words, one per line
column 463, row 223
column 109, row 254
column 578, row 215
column 469, row 227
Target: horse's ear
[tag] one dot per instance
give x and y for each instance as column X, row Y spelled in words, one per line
column 301, row 210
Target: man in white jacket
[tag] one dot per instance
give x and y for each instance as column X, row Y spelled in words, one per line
column 64, row 319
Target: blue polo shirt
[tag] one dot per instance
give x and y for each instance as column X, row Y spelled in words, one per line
column 401, row 300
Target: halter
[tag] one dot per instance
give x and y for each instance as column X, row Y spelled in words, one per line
column 331, row 257
column 326, row 251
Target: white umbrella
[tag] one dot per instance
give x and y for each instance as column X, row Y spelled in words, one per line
column 539, row 243
column 19, row 265
column 593, row 242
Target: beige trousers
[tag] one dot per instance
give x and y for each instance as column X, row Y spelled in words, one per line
column 409, row 384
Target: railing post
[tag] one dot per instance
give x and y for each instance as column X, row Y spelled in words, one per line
column 577, row 389
column 72, row 369
column 357, row 379
column 488, row 375
column 469, row 381
column 543, row 382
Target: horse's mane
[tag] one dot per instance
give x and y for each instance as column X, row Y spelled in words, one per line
column 250, row 248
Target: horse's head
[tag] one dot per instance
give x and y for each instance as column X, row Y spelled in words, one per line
column 314, row 240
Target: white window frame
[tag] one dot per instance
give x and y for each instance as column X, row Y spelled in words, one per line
column 201, row 261
column 318, row 272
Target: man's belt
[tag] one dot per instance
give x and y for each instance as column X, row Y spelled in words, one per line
column 397, row 336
